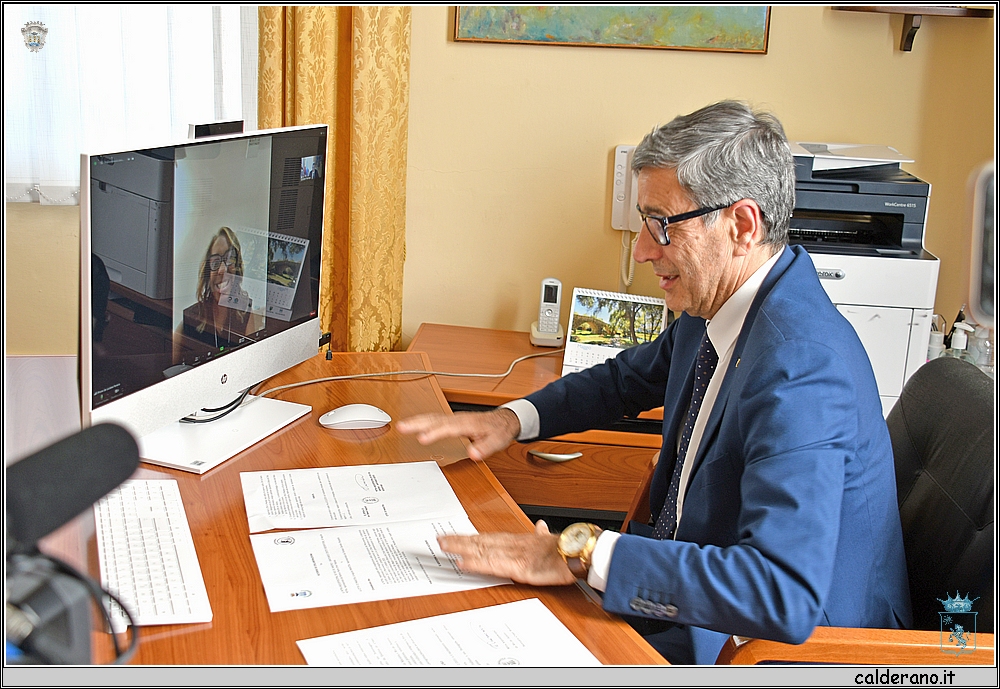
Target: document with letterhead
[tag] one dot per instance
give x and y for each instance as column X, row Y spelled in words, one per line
column 524, row 633
column 347, row 496
column 315, row 568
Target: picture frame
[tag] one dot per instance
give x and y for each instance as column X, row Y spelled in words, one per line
column 739, row 29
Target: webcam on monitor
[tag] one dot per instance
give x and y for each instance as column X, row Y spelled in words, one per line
column 199, row 131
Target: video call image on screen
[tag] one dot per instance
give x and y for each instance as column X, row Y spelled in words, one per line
column 220, row 247
column 198, row 250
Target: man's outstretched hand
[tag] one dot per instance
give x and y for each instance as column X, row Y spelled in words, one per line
column 489, row 431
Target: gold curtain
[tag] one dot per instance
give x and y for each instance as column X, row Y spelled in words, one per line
column 349, row 67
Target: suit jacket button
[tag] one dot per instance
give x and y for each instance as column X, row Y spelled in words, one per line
column 670, row 610
column 638, row 604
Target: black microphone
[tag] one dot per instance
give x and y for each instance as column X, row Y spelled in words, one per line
column 54, row 485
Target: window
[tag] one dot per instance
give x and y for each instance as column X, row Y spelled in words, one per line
column 117, row 76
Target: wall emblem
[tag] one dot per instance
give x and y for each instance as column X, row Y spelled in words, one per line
column 958, row 624
column 34, row 36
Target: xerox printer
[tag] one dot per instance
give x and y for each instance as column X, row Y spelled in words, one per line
column 862, row 220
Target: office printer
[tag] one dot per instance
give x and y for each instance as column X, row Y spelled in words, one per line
column 862, row 220
column 131, row 206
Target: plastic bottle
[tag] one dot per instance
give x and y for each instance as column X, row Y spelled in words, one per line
column 981, row 349
column 958, row 319
column 986, row 360
column 959, row 338
column 978, row 342
column 936, row 346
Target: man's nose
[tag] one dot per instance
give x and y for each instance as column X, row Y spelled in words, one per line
column 645, row 248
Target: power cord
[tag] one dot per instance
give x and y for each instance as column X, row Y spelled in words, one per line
column 383, row 374
column 225, row 409
column 242, row 401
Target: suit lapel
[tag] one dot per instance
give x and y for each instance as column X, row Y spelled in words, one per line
column 715, row 417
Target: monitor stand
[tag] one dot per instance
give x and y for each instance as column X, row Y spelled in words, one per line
column 199, row 447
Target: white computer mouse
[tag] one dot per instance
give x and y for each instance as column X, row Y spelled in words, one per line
column 354, row 416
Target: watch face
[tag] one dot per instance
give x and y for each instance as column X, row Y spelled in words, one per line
column 573, row 539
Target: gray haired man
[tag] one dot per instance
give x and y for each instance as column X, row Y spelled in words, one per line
column 774, row 501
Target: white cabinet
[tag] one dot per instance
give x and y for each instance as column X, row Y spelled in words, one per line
column 896, row 343
column 889, row 301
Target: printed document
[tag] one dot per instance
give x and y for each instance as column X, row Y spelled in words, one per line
column 347, row 496
column 524, row 633
column 352, row 564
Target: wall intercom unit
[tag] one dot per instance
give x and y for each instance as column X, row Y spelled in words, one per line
column 624, row 215
column 625, row 196
column 547, row 331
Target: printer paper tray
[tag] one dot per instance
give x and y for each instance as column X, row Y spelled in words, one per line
column 858, row 250
column 878, row 280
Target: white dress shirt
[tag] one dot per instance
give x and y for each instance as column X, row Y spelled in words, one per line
column 722, row 331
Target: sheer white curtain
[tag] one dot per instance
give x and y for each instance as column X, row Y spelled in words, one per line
column 114, row 77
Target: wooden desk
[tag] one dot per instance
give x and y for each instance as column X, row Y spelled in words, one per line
column 243, row 630
column 480, row 350
column 613, row 464
column 460, row 349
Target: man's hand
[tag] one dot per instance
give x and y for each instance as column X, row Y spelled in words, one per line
column 489, row 431
column 525, row 558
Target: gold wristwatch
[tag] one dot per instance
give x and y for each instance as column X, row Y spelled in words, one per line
column 576, row 545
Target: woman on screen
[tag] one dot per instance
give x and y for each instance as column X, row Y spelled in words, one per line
column 222, row 315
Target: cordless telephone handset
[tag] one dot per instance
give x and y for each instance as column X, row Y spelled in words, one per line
column 546, row 331
column 548, row 308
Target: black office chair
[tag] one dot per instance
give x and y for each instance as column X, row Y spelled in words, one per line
column 942, row 439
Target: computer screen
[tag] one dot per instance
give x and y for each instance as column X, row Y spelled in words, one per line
column 200, row 268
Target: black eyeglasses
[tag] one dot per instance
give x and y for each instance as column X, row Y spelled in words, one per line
column 657, row 225
column 229, row 258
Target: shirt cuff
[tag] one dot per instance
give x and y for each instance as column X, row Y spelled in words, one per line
column 600, row 560
column 527, row 415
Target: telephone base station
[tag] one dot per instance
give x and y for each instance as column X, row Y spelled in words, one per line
column 540, row 339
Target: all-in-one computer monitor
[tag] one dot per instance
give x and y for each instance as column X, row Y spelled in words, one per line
column 200, row 270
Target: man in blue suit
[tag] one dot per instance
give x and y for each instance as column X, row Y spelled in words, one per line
column 774, row 501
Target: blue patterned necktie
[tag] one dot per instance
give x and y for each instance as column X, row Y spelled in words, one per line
column 666, row 523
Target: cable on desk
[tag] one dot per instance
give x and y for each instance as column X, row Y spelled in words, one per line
column 225, row 409
column 96, row 593
column 383, row 374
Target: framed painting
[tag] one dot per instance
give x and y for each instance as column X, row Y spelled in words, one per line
column 740, row 29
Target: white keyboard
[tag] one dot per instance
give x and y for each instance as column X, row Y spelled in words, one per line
column 147, row 555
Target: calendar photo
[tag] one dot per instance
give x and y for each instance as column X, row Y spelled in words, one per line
column 604, row 323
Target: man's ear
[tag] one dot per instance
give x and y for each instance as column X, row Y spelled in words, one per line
column 748, row 226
